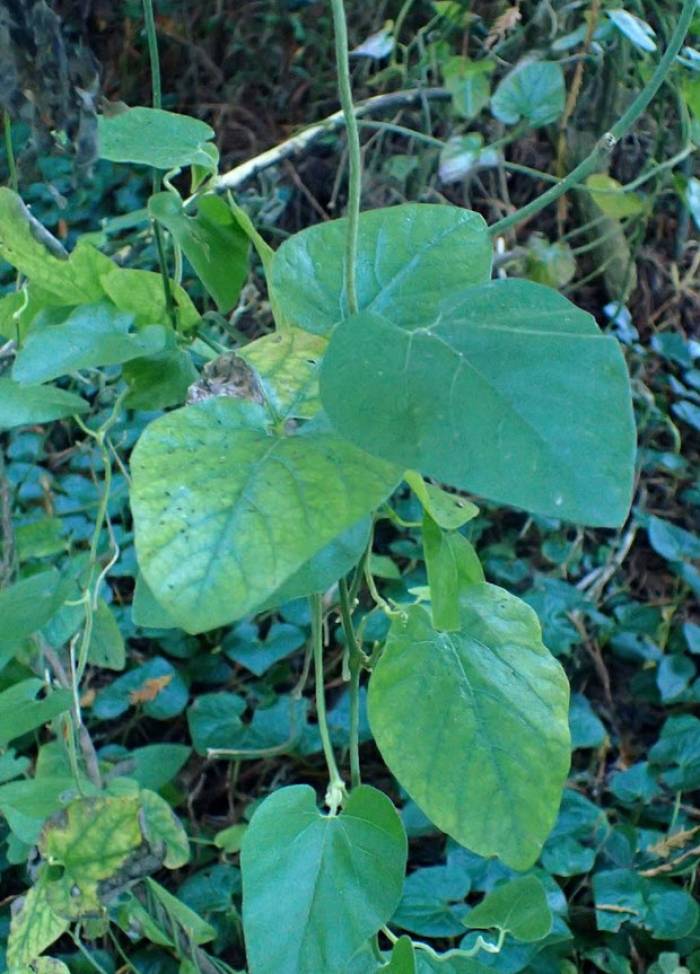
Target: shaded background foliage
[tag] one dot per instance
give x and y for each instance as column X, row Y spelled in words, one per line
column 620, row 609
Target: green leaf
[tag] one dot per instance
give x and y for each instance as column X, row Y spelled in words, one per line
column 452, row 565
column 410, row 256
column 159, row 381
column 518, row 907
column 611, row 197
column 671, row 542
column 21, row 711
column 623, row 896
column 432, row 903
column 325, row 568
column 214, row 720
column 634, row 29
column 152, row 137
column 212, row 241
column 163, row 830
column 474, row 723
column 93, row 837
column 287, row 364
column 29, row 604
column 153, row 765
column 533, row 91
column 26, row 804
column 141, row 294
column 468, row 83
column 554, row 435
column 197, row 930
column 31, row 249
column 24, row 406
column 450, row 511
column 106, row 647
column 678, row 751
column 245, row 646
column 403, row 958
column 146, row 611
column 34, row 926
column 225, row 511
column 335, row 879
column 92, row 335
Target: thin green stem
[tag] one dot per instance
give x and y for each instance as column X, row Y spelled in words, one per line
column 355, row 658
column 156, row 101
column 607, row 143
column 354, row 153
column 336, row 787
column 10, row 151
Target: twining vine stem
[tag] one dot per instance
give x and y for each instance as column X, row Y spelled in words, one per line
column 354, row 667
column 336, row 785
column 354, row 154
column 156, row 100
column 607, row 143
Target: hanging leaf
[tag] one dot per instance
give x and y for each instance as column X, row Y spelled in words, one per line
column 225, row 511
column 611, row 197
column 533, row 91
column 410, row 256
column 555, row 435
column 152, row 137
column 450, row 511
column 452, row 565
column 474, row 724
column 212, row 241
column 335, row 879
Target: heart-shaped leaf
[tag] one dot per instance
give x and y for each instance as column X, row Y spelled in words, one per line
column 334, row 878
column 152, row 137
column 22, row 405
column 511, row 392
column 409, row 257
column 225, row 511
column 474, row 724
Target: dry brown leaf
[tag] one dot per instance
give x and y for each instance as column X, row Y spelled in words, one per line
column 150, row 689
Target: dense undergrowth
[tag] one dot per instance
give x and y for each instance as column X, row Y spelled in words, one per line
column 618, row 607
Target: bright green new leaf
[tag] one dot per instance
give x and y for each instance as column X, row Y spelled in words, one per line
column 474, row 724
column 403, row 958
column 410, row 256
column 92, row 335
column 450, row 511
column 212, row 241
column 163, row 830
column 26, row 405
column 34, row 926
column 93, row 837
column 452, row 564
column 29, row 604
column 518, row 907
column 611, row 197
column 152, row 137
column 511, row 392
column 533, row 91
column 29, row 247
column 21, row 711
column 226, row 511
column 287, row 364
column 141, row 294
column 333, row 880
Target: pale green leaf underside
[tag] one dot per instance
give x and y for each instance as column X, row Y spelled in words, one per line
column 316, row 887
column 152, row 137
column 474, row 724
column 511, row 393
column 409, row 257
column 225, row 512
